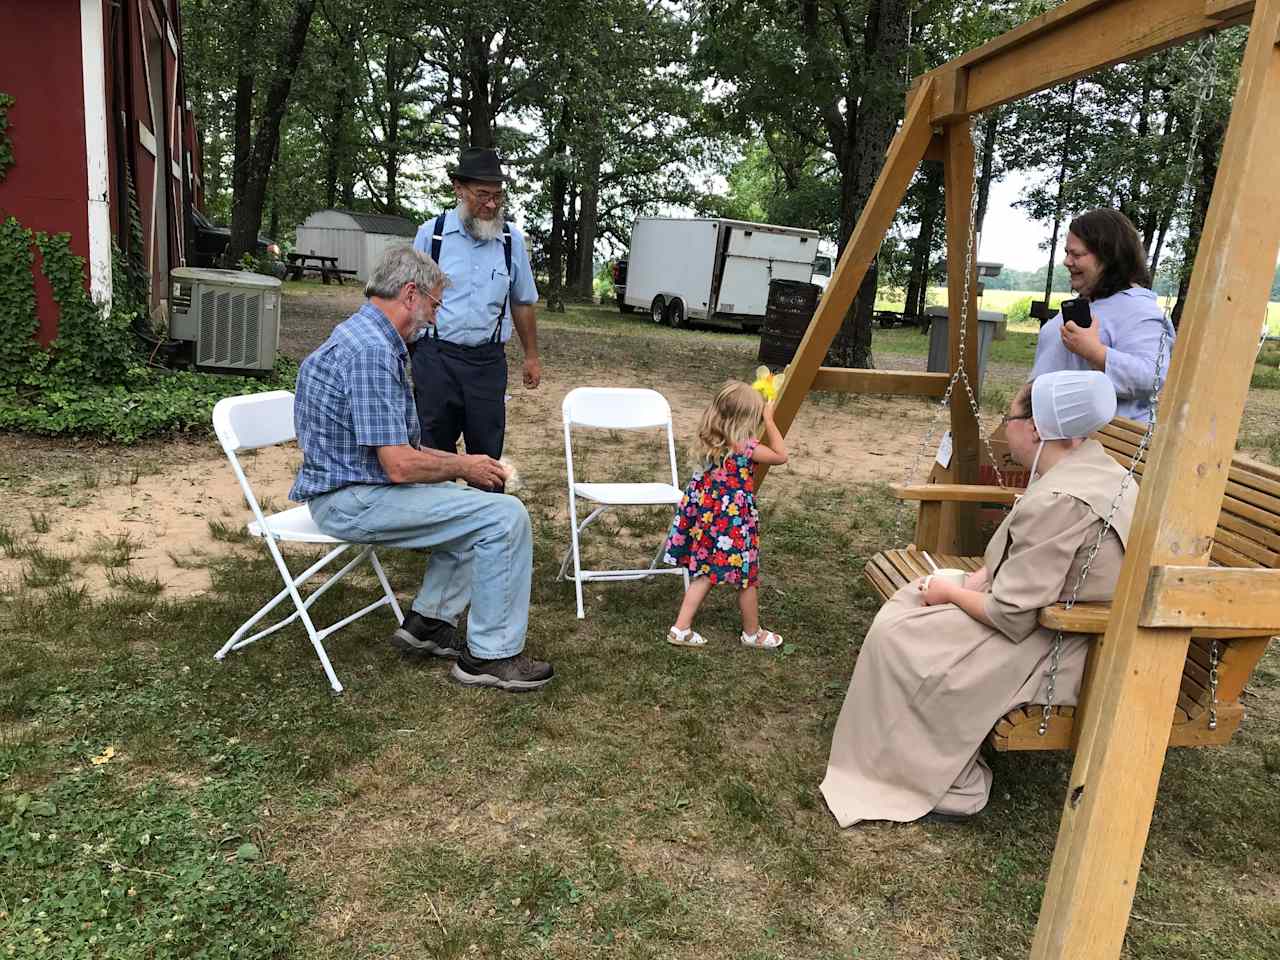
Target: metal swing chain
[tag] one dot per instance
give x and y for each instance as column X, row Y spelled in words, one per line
column 1208, row 80
column 1214, row 660
column 959, row 375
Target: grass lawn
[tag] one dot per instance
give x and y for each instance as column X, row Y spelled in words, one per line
column 651, row 803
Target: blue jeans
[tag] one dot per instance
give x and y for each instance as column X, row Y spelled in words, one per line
column 481, row 551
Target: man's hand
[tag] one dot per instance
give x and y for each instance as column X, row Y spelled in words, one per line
column 1084, row 343
column 532, row 372
column 483, row 472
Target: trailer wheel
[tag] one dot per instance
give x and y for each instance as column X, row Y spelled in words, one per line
column 658, row 309
column 676, row 318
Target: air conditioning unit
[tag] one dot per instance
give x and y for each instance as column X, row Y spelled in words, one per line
column 231, row 318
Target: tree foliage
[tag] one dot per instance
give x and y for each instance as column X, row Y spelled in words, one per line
column 774, row 110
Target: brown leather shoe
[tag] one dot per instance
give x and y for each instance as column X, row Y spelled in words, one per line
column 420, row 637
column 514, row 674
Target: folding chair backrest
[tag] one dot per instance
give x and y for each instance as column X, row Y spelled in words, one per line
column 254, row 420
column 248, row 422
column 615, row 408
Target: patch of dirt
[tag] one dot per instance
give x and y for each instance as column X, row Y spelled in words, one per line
column 163, row 495
column 165, row 516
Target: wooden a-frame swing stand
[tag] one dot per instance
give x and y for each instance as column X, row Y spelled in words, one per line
column 1124, row 734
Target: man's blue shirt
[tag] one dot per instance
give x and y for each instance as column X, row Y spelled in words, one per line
column 477, row 270
column 353, row 396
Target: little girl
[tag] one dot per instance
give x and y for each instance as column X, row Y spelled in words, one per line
column 714, row 534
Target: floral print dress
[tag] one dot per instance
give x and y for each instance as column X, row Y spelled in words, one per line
column 714, row 533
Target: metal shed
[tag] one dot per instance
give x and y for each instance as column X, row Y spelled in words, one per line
column 356, row 239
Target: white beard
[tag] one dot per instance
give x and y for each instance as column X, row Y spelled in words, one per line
column 483, row 230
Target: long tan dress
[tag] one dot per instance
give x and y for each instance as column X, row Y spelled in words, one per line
column 931, row 682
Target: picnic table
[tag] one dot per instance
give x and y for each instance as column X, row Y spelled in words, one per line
column 326, row 266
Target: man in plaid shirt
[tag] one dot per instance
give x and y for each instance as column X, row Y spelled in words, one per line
column 367, row 480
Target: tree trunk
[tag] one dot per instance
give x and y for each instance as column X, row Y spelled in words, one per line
column 242, row 123
column 555, row 245
column 273, row 227
column 391, row 130
column 571, row 237
column 868, row 136
column 1062, row 179
column 1162, row 231
column 478, row 112
column 246, row 203
column 922, row 245
column 1210, row 150
column 335, row 147
column 587, row 210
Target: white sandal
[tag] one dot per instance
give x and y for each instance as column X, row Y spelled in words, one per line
column 762, row 640
column 685, row 638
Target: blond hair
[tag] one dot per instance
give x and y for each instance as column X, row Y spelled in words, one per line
column 730, row 420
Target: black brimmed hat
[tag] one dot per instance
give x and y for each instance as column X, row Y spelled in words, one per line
column 478, row 163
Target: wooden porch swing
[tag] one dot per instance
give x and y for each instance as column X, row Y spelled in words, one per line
column 1195, row 506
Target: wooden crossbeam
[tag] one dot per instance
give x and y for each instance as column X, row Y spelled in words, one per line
column 1124, row 729
column 1237, row 597
column 1092, row 618
column 1228, row 9
column 1071, row 40
column 906, row 383
column 955, row 492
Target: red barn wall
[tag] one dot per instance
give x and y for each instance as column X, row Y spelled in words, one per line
column 47, row 187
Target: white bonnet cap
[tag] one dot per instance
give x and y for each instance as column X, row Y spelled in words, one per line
column 1072, row 403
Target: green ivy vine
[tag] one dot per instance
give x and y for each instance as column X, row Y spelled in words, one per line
column 94, row 379
column 17, row 301
column 6, row 145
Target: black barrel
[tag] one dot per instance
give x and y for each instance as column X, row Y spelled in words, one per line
column 787, row 313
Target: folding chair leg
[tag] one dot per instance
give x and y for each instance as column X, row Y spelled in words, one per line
column 305, row 614
column 575, row 529
column 320, row 651
column 235, row 643
column 386, row 586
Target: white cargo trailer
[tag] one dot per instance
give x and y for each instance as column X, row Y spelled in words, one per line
column 717, row 271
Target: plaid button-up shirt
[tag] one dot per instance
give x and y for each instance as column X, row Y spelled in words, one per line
column 354, row 395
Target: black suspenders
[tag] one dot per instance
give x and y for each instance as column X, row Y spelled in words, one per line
column 437, row 238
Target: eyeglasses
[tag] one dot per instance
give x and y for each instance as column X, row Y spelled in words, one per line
column 1009, row 416
column 435, row 302
column 487, row 197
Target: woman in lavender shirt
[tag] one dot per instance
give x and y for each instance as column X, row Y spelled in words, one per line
column 1108, row 264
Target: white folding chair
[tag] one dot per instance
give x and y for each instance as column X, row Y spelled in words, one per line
column 615, row 408
column 263, row 420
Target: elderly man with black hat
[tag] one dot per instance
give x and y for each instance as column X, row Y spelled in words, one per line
column 460, row 365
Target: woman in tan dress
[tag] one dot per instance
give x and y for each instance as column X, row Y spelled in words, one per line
column 940, row 666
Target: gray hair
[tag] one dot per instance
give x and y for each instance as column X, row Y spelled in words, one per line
column 401, row 264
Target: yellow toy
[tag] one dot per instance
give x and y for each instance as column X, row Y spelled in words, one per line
column 767, row 384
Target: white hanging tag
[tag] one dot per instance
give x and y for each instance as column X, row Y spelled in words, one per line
column 944, row 451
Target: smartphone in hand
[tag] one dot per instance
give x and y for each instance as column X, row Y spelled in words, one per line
column 1077, row 311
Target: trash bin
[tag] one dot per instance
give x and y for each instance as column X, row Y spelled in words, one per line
column 788, row 310
column 989, row 324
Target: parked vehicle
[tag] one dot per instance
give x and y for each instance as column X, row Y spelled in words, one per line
column 618, row 273
column 822, row 267
column 208, row 241
column 714, row 271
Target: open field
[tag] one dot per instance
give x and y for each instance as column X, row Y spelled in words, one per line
column 651, row 803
